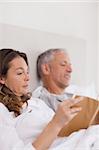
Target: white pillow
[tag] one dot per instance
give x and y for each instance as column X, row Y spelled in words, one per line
column 88, row 91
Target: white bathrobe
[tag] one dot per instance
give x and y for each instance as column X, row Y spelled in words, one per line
column 9, row 139
column 53, row 100
column 19, row 133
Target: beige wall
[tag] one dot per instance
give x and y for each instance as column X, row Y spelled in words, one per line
column 34, row 42
column 65, row 24
column 98, row 45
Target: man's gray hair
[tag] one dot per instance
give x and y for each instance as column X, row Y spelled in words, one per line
column 46, row 57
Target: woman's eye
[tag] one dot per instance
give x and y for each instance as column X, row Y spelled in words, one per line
column 19, row 73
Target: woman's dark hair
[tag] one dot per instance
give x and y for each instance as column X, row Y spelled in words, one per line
column 7, row 97
column 6, row 56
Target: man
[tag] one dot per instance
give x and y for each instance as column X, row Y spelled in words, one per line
column 54, row 70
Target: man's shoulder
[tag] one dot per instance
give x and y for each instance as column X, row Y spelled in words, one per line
column 39, row 88
column 38, row 91
column 43, row 91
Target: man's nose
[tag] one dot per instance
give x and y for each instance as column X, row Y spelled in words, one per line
column 69, row 68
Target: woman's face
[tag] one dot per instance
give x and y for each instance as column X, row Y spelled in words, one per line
column 17, row 76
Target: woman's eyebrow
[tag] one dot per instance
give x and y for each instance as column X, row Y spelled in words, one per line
column 19, row 68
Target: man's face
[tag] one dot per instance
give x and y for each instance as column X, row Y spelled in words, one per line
column 60, row 69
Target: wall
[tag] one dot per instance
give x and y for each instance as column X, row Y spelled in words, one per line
column 98, row 45
column 34, row 42
column 74, row 22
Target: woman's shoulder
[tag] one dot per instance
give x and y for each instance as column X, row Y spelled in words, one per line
column 3, row 108
column 5, row 115
column 39, row 103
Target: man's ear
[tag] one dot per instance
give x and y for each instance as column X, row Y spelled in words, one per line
column 2, row 80
column 45, row 69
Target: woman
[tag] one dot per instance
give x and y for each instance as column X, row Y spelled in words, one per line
column 32, row 123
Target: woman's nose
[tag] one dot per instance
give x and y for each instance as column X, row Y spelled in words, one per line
column 27, row 77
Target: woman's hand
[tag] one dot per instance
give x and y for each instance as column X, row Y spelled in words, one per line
column 66, row 111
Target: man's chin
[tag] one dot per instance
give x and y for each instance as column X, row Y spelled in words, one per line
column 66, row 85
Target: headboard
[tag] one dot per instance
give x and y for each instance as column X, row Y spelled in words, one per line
column 33, row 42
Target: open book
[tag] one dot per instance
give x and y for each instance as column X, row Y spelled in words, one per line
column 89, row 115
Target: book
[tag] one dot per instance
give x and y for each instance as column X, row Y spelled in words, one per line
column 89, row 115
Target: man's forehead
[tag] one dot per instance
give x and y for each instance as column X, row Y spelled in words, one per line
column 61, row 55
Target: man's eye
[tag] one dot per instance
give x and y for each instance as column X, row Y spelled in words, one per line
column 63, row 64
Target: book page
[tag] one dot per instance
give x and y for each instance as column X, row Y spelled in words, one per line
column 89, row 115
